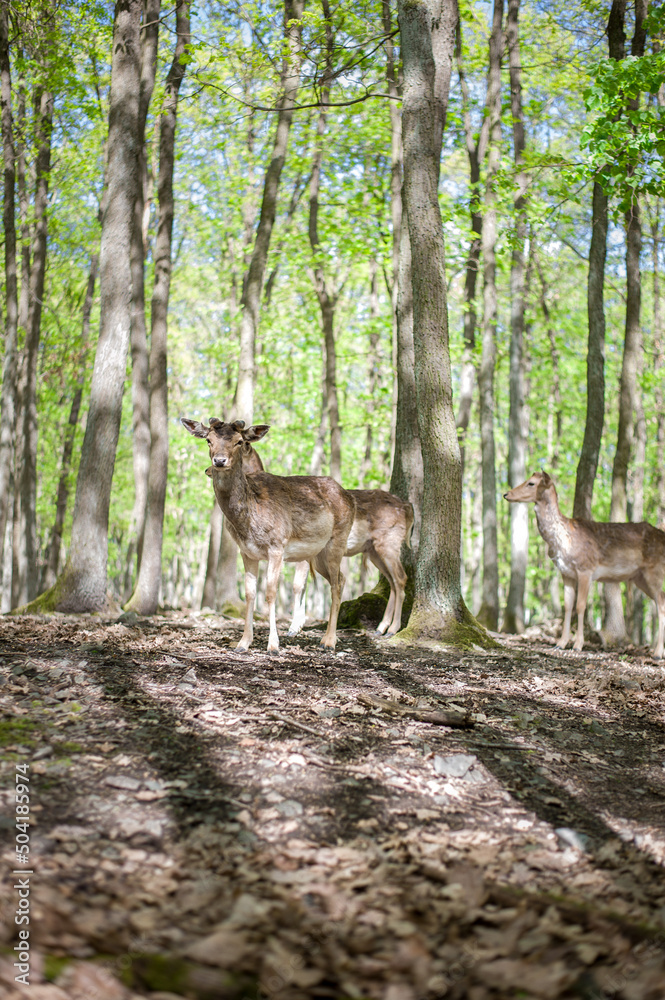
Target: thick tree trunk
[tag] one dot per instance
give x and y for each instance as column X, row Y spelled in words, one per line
column 428, row 37
column 10, row 362
column 614, row 628
column 513, row 618
column 489, row 610
column 82, row 584
column 243, row 403
column 26, row 538
column 145, row 598
column 52, row 560
column 139, row 340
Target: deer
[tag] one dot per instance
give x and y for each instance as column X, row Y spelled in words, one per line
column 592, row 550
column 382, row 524
column 277, row 519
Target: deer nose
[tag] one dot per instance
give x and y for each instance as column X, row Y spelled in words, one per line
column 220, row 461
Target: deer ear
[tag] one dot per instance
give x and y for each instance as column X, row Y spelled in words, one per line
column 195, row 427
column 209, row 471
column 256, row 432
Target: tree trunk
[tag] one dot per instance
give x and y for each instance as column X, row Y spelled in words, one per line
column 145, row 598
column 28, row 553
column 427, row 38
column 139, row 340
column 406, row 480
column 323, row 285
column 243, row 402
column 595, row 365
column 395, row 194
column 595, row 415
column 82, row 584
column 476, row 151
column 513, row 619
column 614, row 628
column 214, row 542
column 659, row 364
column 10, row 363
column 489, row 610
column 53, row 553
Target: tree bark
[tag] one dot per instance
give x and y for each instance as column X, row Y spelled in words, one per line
column 243, row 402
column 82, row 584
column 145, row 598
column 489, row 609
column 614, row 628
column 26, row 538
column 393, row 87
column 659, row 364
column 53, row 553
column 139, row 339
column 476, row 151
column 10, row 363
column 323, row 284
column 513, row 618
column 427, row 38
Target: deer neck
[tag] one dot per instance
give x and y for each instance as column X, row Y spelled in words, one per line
column 552, row 525
column 232, row 493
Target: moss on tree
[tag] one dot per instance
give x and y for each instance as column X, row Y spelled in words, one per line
column 458, row 630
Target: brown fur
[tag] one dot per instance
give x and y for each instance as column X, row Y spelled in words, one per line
column 383, row 523
column 276, row 518
column 593, row 550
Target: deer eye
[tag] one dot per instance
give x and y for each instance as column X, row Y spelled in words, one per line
column 237, row 443
column 531, row 484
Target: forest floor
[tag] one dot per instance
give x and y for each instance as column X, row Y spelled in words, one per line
column 212, row 824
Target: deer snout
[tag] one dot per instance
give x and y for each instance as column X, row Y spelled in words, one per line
column 220, row 461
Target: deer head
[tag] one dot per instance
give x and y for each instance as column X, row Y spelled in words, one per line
column 226, row 442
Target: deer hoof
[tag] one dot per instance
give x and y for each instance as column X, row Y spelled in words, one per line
column 293, row 631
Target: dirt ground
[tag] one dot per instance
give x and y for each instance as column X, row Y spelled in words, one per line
column 212, row 824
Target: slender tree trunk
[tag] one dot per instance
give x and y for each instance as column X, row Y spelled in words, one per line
column 393, row 89
column 659, row 364
column 513, row 619
column 372, row 373
column 614, row 628
column 52, row 560
column 489, row 610
column 10, row 363
column 595, row 415
column 139, row 340
column 476, row 151
column 82, row 584
column 406, row 478
column 28, row 553
column 145, row 598
column 427, row 39
column 555, row 407
column 323, row 284
column 253, row 286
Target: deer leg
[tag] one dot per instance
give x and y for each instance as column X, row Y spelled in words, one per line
column 272, row 579
column 660, row 641
column 390, row 606
column 299, row 596
column 397, row 578
column 251, row 573
column 583, row 584
column 568, row 601
column 328, row 563
column 653, row 589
